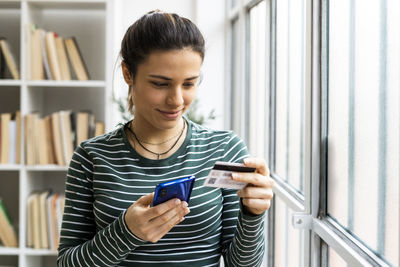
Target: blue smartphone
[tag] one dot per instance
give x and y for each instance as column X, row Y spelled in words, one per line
column 179, row 188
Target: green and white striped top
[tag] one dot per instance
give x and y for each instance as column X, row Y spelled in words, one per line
column 106, row 175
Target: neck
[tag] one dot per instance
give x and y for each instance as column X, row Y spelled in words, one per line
column 146, row 132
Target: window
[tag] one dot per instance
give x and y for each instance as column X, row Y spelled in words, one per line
column 289, row 92
column 315, row 90
column 363, row 122
column 257, row 28
column 288, row 242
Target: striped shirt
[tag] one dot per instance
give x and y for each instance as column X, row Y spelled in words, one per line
column 106, row 175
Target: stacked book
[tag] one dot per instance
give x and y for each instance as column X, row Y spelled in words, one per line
column 8, row 65
column 52, row 55
column 43, row 219
column 10, row 138
column 8, row 238
column 52, row 140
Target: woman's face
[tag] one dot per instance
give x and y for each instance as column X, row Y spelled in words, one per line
column 164, row 86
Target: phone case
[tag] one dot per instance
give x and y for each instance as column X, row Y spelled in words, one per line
column 179, row 188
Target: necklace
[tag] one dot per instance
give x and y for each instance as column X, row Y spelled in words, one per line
column 155, row 153
column 163, row 142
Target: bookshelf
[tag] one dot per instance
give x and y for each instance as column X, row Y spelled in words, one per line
column 90, row 22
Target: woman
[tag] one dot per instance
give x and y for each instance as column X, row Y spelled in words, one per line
column 109, row 220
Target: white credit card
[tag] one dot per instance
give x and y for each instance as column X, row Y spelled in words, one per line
column 220, row 175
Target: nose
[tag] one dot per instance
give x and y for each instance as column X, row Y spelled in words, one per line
column 175, row 96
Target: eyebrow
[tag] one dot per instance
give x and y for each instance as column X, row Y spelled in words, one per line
column 169, row 79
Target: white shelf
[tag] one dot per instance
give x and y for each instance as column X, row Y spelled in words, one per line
column 9, row 251
column 10, row 82
column 66, row 83
column 39, row 252
column 10, row 167
column 45, row 168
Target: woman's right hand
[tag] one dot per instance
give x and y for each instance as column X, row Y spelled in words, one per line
column 152, row 223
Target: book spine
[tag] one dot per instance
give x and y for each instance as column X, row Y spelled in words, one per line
column 45, row 57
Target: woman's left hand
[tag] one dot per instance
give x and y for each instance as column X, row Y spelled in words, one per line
column 257, row 195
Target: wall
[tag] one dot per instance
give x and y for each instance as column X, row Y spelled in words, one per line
column 211, row 24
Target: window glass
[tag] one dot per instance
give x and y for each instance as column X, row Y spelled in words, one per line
column 290, row 92
column 235, row 77
column 288, row 242
column 257, row 72
column 363, row 121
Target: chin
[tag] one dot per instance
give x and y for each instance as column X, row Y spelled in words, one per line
column 168, row 124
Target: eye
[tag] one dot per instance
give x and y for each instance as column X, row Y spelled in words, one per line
column 188, row 85
column 159, row 84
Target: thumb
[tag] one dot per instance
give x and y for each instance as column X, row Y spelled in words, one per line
column 146, row 200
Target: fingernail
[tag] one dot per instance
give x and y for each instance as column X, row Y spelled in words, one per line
column 234, row 175
column 187, row 210
column 245, row 161
column 177, row 201
column 184, row 204
column 182, row 219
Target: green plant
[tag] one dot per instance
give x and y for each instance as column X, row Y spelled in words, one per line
column 192, row 114
column 122, row 108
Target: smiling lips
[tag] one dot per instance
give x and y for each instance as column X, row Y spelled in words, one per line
column 170, row 114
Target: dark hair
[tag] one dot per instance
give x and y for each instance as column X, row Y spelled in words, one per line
column 158, row 30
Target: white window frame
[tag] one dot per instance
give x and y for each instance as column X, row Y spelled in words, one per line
column 320, row 232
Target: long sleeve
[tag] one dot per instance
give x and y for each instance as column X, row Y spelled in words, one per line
column 243, row 241
column 81, row 244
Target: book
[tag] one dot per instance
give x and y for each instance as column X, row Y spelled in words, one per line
column 57, row 138
column 60, row 204
column 52, row 55
column 12, row 128
column 36, row 234
column 40, row 139
column 76, row 59
column 36, row 57
column 49, row 141
column 5, row 137
column 43, row 222
column 9, row 58
column 100, row 128
column 45, row 56
column 8, row 235
column 62, row 59
column 30, row 143
column 82, row 127
column 44, row 229
column 29, row 221
column 66, row 135
column 53, row 221
column 2, row 66
column 18, row 138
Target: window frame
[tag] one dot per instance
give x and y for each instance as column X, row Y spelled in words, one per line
column 320, row 231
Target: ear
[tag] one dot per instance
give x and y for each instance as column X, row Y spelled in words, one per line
column 127, row 74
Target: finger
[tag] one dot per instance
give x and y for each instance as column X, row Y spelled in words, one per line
column 256, row 203
column 253, row 178
column 165, row 228
column 162, row 208
column 255, row 192
column 258, row 163
column 146, row 200
column 180, row 210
